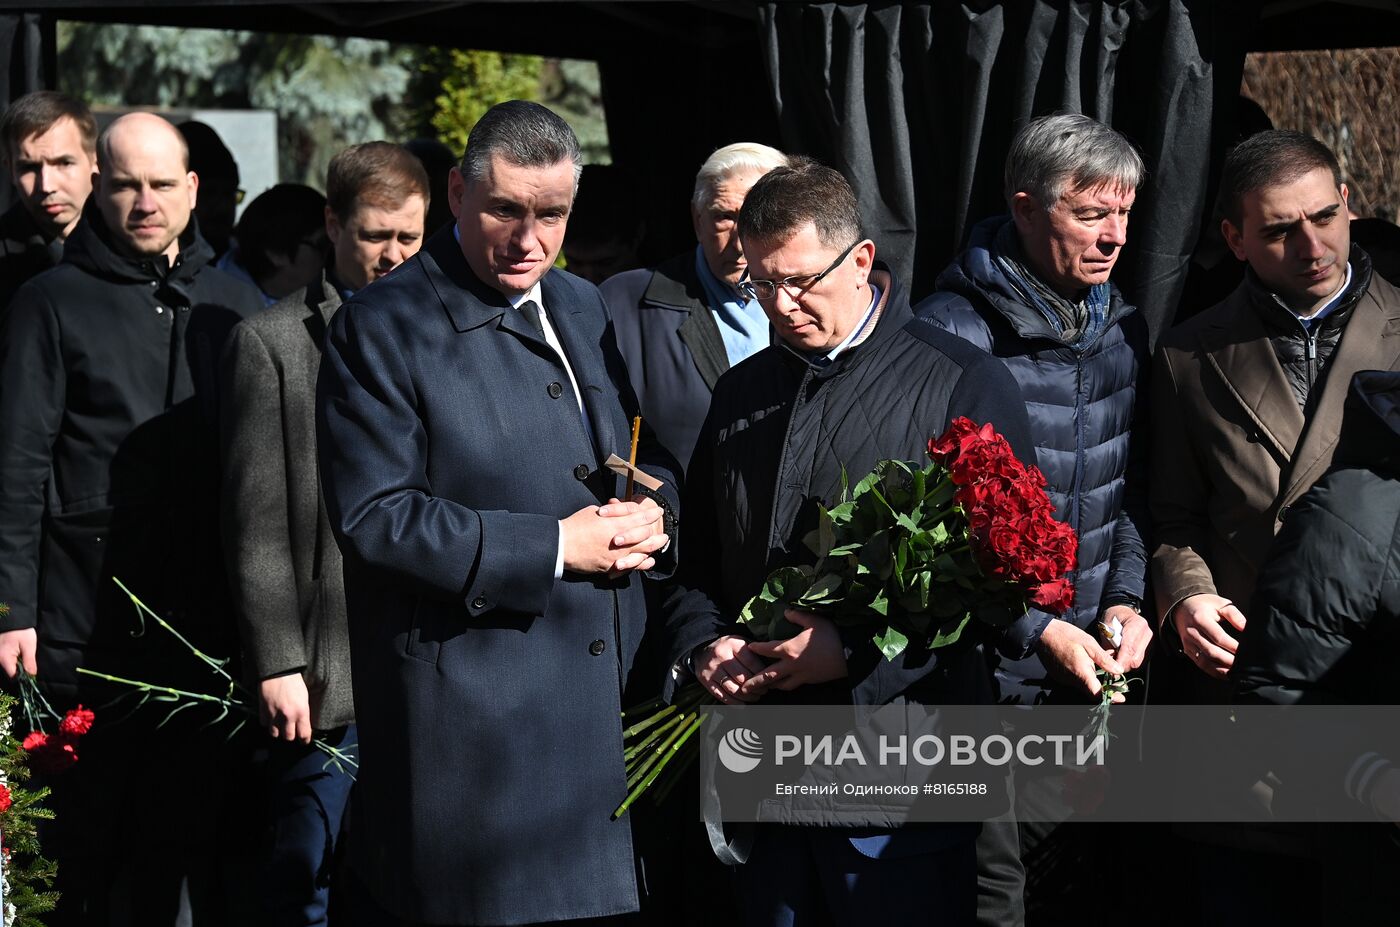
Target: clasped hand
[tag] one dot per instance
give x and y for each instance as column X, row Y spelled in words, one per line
column 736, row 670
column 614, row 538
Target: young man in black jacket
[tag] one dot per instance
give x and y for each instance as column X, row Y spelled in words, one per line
column 852, row 379
column 109, row 470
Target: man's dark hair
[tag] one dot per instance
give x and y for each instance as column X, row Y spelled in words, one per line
column 787, row 198
column 35, row 113
column 378, row 173
column 279, row 221
column 438, row 160
column 208, row 156
column 1270, row 159
column 524, row 134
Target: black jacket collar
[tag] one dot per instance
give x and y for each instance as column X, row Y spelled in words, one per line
column 893, row 317
column 1279, row 319
column 92, row 248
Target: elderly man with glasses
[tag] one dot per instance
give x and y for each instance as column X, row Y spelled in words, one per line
column 851, row 379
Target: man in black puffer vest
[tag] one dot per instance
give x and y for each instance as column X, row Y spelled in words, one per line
column 852, row 379
column 108, row 375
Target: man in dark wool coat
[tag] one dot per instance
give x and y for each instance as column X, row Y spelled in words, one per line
column 853, row 378
column 467, row 403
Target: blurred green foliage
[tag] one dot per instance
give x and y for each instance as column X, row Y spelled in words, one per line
column 327, row 92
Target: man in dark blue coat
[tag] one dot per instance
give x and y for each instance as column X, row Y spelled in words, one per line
column 683, row 323
column 466, row 405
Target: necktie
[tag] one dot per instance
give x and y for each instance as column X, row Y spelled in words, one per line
column 531, row 310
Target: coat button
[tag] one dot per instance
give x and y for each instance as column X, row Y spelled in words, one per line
column 597, row 647
column 581, row 472
column 479, row 602
column 1283, row 513
column 555, row 390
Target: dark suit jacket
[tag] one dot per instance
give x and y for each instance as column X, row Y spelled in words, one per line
column 284, row 565
column 668, row 336
column 487, row 694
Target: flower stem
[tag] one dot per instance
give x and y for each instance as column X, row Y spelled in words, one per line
column 660, row 751
column 690, row 728
column 645, row 723
column 637, row 749
column 167, row 690
column 212, row 663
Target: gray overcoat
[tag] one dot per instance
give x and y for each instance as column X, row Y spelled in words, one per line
column 284, row 565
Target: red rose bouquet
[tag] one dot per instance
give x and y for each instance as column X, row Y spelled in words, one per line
column 911, row 555
column 916, row 554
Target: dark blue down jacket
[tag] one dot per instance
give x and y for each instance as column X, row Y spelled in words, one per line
column 1085, row 417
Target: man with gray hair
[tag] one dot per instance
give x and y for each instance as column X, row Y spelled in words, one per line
column 684, row 323
column 1033, row 289
column 467, row 405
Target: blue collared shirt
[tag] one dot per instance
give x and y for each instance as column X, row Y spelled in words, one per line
column 742, row 324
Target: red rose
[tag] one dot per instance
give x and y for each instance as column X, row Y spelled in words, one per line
column 950, row 442
column 1055, row 596
column 77, row 721
column 5, row 800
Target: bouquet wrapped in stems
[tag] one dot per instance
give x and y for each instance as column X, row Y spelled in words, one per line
column 911, row 556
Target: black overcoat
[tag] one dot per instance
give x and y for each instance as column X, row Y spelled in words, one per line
column 487, row 693
column 109, row 406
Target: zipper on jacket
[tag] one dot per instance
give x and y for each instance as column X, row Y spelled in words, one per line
column 1078, row 487
column 1311, row 341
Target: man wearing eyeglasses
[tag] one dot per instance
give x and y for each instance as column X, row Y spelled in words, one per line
column 852, row 379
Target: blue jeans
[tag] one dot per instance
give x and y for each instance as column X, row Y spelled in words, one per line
column 308, row 800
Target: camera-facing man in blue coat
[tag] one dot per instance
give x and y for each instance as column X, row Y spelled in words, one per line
column 466, row 407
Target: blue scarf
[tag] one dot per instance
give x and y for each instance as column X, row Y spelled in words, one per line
column 1078, row 323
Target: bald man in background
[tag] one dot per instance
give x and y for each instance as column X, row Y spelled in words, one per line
column 108, row 372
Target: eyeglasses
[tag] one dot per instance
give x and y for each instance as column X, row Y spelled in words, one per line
column 764, row 290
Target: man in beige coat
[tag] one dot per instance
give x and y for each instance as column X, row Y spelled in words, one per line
column 1247, row 395
column 1246, row 407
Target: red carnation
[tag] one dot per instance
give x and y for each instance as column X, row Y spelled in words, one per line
column 77, row 721
column 53, row 755
column 34, row 740
column 5, row 799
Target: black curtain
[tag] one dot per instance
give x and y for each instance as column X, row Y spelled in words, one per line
column 917, row 104
column 669, row 105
